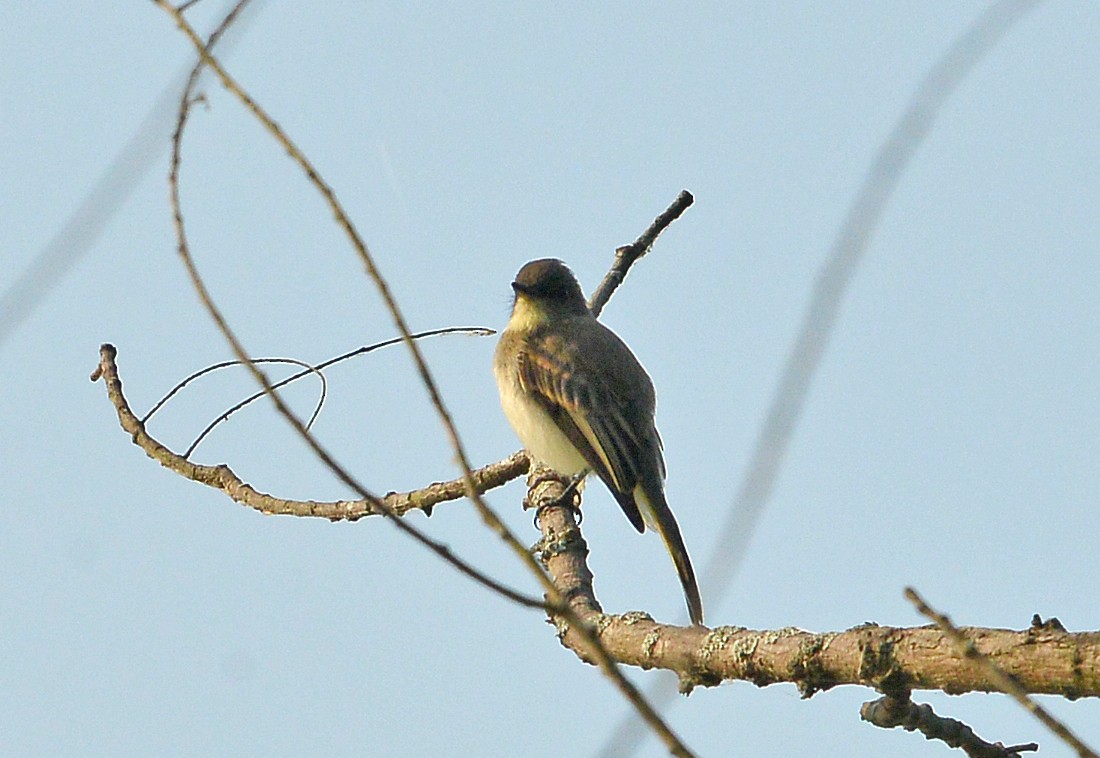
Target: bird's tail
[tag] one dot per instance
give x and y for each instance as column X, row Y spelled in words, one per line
column 658, row 515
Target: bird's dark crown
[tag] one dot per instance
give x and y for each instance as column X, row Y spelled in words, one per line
column 551, row 280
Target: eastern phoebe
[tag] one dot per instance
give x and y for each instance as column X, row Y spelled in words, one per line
column 579, row 401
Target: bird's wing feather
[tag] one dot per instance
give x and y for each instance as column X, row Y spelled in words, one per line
column 596, row 419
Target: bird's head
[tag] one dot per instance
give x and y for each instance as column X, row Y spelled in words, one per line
column 547, row 286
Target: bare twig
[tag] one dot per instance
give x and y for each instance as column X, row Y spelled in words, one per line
column 627, row 254
column 1002, row 680
column 307, row 370
column 555, row 602
column 222, row 478
column 890, row 712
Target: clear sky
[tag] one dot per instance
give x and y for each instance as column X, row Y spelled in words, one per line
column 949, row 440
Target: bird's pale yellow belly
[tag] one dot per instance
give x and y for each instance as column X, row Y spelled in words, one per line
column 538, row 432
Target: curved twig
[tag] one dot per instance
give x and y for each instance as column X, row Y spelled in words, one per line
column 308, row 369
column 224, row 416
column 555, row 602
column 223, row 478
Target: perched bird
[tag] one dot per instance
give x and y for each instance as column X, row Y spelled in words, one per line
column 580, row 402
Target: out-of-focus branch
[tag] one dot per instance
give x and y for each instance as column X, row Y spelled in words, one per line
column 833, row 281
column 836, row 275
column 84, row 225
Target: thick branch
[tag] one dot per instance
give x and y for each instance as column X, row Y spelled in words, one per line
column 1042, row 660
column 1003, row 679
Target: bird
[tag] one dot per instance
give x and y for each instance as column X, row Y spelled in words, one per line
column 580, row 402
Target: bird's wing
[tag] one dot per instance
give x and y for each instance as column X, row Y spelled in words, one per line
column 598, row 420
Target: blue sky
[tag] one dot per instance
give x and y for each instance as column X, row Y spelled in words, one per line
column 949, row 440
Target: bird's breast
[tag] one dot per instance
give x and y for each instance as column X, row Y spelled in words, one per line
column 534, row 426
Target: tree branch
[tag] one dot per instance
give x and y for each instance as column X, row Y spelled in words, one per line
column 890, row 712
column 626, row 255
column 1004, row 677
column 222, row 477
column 1042, row 660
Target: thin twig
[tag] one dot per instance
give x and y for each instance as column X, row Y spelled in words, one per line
column 309, row 369
column 627, row 254
column 555, row 603
column 890, row 712
column 223, row 478
column 1004, row 682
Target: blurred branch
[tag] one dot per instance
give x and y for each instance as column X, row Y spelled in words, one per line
column 85, row 225
column 1005, row 678
column 837, row 273
column 833, row 280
